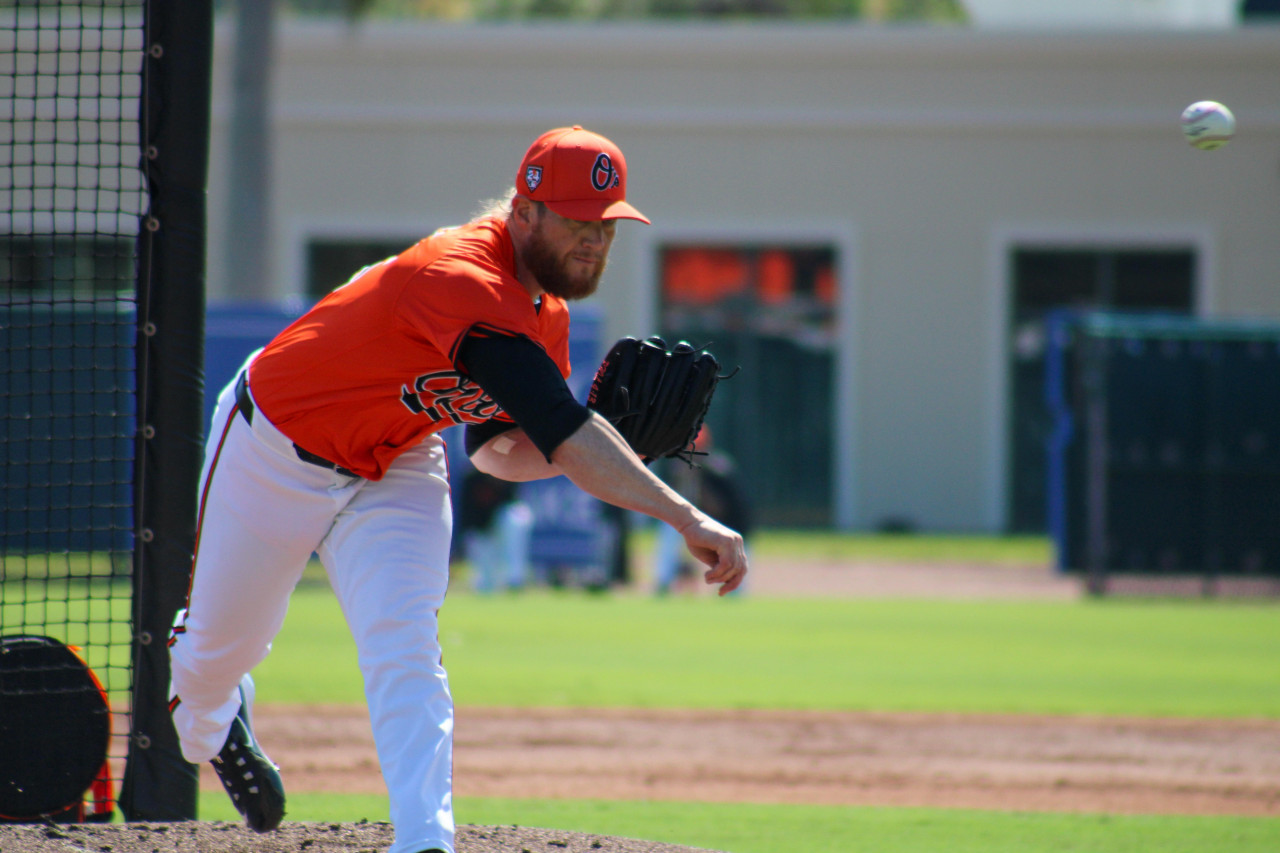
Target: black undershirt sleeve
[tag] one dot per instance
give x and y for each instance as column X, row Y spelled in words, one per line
column 522, row 379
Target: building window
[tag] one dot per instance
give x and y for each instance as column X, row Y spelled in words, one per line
column 1048, row 279
column 66, row 265
column 332, row 262
column 768, row 308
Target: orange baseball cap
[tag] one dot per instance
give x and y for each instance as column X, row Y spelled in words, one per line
column 578, row 174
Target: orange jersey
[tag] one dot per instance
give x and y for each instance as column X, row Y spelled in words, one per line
column 370, row 371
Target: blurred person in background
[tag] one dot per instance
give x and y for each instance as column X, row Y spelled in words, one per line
column 496, row 528
column 713, row 486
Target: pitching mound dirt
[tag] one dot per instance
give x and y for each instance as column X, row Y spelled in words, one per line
column 295, row 837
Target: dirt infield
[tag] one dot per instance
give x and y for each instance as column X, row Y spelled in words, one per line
column 1097, row 764
column 970, row 761
column 959, row 581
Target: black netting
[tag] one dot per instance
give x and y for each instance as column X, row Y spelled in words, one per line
column 71, row 197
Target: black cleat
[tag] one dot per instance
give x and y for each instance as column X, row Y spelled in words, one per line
column 251, row 779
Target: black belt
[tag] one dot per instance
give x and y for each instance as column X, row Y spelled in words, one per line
column 245, row 404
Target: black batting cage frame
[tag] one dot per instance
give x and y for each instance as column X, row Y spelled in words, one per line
column 176, row 71
column 104, row 166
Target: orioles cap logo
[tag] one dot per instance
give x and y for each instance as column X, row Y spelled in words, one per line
column 603, row 175
column 532, row 177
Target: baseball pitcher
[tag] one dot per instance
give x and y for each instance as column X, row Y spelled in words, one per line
column 328, row 442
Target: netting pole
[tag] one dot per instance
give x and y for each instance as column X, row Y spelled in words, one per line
column 159, row 785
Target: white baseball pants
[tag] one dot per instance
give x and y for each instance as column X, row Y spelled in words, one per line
column 385, row 546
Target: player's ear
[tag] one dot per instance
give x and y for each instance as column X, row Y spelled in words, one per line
column 524, row 211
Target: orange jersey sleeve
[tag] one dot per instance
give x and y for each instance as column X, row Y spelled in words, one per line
column 370, row 371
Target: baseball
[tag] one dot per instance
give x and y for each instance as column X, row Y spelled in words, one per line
column 1208, row 125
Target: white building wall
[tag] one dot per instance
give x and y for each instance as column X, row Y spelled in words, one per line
column 1102, row 13
column 922, row 154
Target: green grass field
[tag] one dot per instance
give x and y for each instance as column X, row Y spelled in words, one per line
column 1129, row 657
column 1170, row 658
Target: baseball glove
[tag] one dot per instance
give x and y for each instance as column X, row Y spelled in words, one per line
column 654, row 396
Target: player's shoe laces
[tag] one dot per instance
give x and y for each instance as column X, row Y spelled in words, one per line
column 251, row 779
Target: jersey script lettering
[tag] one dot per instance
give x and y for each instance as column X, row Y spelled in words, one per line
column 448, row 395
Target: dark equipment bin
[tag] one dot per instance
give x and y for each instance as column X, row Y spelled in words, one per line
column 1165, row 452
